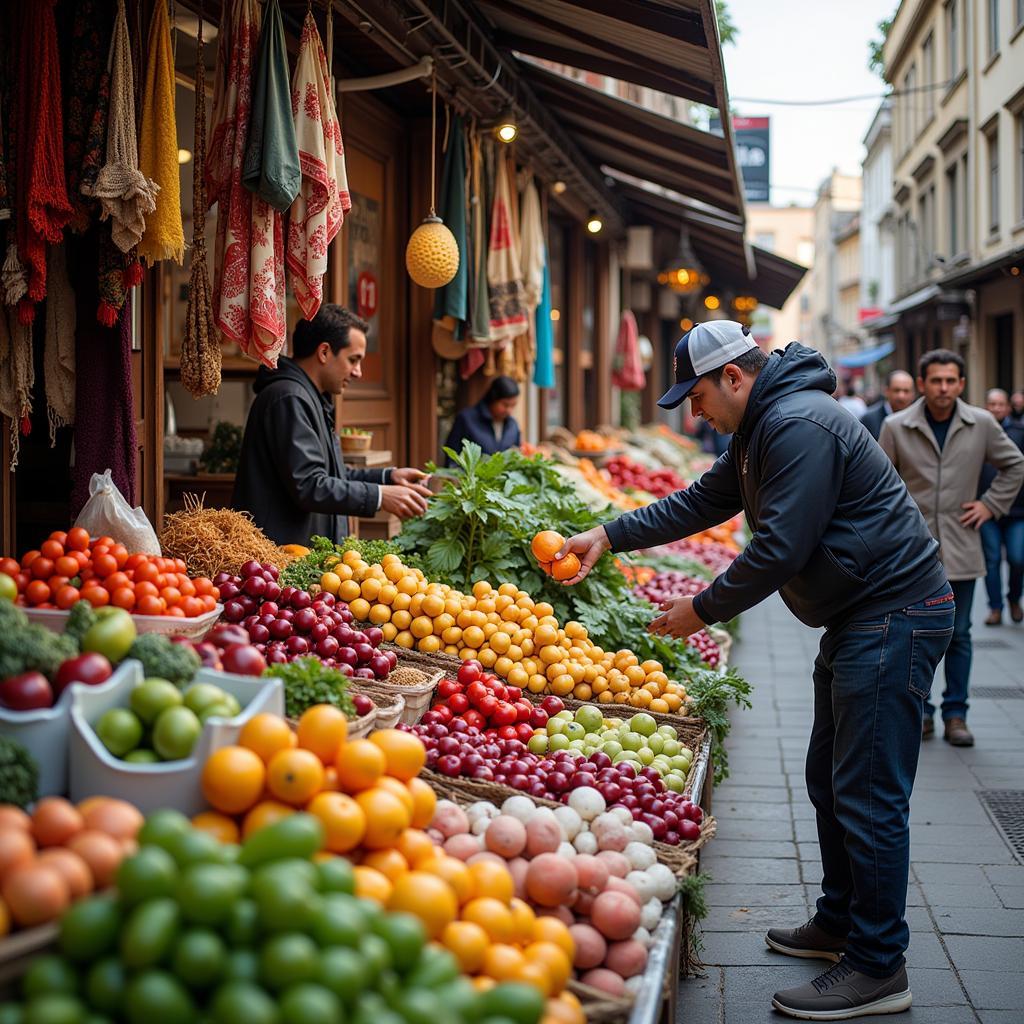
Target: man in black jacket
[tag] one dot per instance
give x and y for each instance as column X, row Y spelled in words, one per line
column 291, row 476
column 899, row 393
column 837, row 535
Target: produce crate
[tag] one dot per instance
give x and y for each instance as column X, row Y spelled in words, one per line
column 357, row 728
column 94, row 770
column 389, row 705
column 19, row 949
column 44, row 733
column 168, row 625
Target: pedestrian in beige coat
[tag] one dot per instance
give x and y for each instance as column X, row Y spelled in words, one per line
column 938, row 446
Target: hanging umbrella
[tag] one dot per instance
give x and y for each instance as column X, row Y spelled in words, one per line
column 628, row 371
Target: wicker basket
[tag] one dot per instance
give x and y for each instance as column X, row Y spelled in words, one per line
column 389, row 705
column 358, row 728
column 356, row 442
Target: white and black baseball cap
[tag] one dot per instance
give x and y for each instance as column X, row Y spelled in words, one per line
column 703, row 348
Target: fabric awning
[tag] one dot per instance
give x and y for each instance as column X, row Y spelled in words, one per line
column 866, row 356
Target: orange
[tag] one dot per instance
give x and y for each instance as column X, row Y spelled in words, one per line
column 266, row 734
column 232, row 779
column 416, row 847
column 386, row 817
column 503, row 962
column 295, row 776
column 534, row 975
column 265, row 813
column 523, row 917
column 218, row 825
column 428, row 897
column 565, row 568
column 493, row 916
column 554, row 961
column 343, row 820
column 400, row 789
column 492, row 879
column 546, row 544
column 331, row 779
column 454, row 872
column 565, row 1009
column 424, row 801
column 359, row 764
column 482, row 983
column 390, row 863
column 404, row 752
column 372, row 885
column 468, row 942
column 550, row 929
column 322, row 729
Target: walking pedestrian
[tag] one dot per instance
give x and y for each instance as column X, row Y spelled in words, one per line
column 1007, row 532
column 1017, row 407
column 850, row 400
column 899, row 393
column 938, row 445
column 837, row 534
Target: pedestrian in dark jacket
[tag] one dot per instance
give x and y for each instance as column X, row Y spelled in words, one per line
column 899, row 393
column 291, row 476
column 837, row 534
column 490, row 422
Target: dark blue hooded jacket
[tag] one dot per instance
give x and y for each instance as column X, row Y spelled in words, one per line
column 834, row 529
column 475, row 423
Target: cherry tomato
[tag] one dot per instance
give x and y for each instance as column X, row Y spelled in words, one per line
column 175, row 612
column 192, row 607
column 28, row 558
column 42, row 568
column 115, row 581
column 120, row 553
column 96, row 596
column 146, row 590
column 51, row 549
column 77, row 539
column 172, row 595
column 67, row 596
column 186, row 586
column 9, row 566
column 105, row 565
column 133, row 561
column 149, row 605
column 146, row 572
column 107, row 542
column 56, row 582
column 66, row 566
column 209, row 602
column 123, row 597
column 469, row 671
column 59, row 536
column 37, row 592
column 23, row 579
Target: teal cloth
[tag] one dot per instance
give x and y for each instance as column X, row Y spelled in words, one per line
column 544, row 363
column 453, row 299
column 271, row 166
column 480, row 305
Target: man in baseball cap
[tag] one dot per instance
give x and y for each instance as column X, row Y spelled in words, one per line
column 837, row 535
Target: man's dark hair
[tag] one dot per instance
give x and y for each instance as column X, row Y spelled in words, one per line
column 937, row 357
column 752, row 362
column 501, row 388
column 332, row 324
column 892, row 373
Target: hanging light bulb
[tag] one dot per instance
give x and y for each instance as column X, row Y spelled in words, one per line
column 684, row 274
column 432, row 254
column 594, row 223
column 506, row 128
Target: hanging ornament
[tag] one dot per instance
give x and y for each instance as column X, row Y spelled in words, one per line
column 432, row 255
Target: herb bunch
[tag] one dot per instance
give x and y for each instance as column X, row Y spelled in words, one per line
column 307, row 681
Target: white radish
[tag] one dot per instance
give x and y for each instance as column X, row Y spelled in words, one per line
column 521, row 807
column 643, row 832
column 640, row 856
column 650, row 915
column 587, row 802
column 569, row 820
column 665, row 882
column 643, row 883
column 585, row 842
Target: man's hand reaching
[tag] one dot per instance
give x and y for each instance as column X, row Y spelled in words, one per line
column 678, row 619
column 404, row 502
column 588, row 547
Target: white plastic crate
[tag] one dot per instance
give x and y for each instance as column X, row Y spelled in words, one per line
column 168, row 625
column 94, row 771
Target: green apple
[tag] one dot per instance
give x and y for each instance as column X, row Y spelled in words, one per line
column 611, row 748
column 575, row 731
column 153, row 696
column 662, row 763
column 556, row 726
column 646, row 755
column 656, row 743
column 119, row 730
column 627, row 755
column 680, row 762
column 674, row 783
column 643, row 724
column 559, row 741
column 576, row 745
column 668, row 732
column 200, row 696
column 538, row 743
column 632, row 741
column 565, row 715
column 687, row 752
column 671, row 747
column 590, row 717
column 175, row 733
column 222, row 709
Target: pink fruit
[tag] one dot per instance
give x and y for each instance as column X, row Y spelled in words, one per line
column 462, row 846
column 591, row 948
column 506, row 836
column 616, row 884
column 517, row 868
column 593, row 873
column 551, row 880
column 615, row 915
column 605, row 981
column 543, row 835
column 616, row 863
column 626, row 958
column 583, row 904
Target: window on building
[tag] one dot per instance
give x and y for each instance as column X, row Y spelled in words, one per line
column 928, row 73
column 910, row 105
column 993, row 27
column 953, row 210
column 765, row 240
column 1019, row 19
column 1020, row 155
column 993, row 182
column 952, row 40
column 966, row 224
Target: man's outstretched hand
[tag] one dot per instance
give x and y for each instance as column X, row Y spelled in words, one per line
column 678, row 619
column 588, row 548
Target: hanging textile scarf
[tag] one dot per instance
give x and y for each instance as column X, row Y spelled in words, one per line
column 628, row 370
column 126, row 195
column 451, row 303
column 59, row 346
column 544, row 361
column 480, row 302
column 17, row 377
column 323, row 199
column 531, row 246
column 504, row 275
column 164, row 237
column 42, row 209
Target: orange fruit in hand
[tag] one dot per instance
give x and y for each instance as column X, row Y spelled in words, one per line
column 546, row 544
column 344, row 821
column 266, row 734
column 322, row 729
column 359, row 764
column 565, row 568
column 295, row 776
column 404, row 752
column 232, row 779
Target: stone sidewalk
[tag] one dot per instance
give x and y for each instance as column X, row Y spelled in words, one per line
column 966, row 897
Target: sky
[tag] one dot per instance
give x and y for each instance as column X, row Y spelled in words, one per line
column 806, row 49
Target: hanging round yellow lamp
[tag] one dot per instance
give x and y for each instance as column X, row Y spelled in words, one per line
column 432, row 255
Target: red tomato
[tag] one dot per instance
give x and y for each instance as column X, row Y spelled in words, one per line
column 28, row 558
column 476, row 692
column 96, row 596
column 123, row 597
column 66, row 566
column 524, row 731
column 504, row 714
column 150, row 605
column 120, row 553
column 512, row 693
column 67, row 596
column 488, row 705
column 209, row 603
column 508, row 732
column 473, row 717
column 42, row 568
column 447, row 688
column 51, row 549
column 146, row 590
column 192, row 607
column 9, row 566
column 172, row 595
column 459, row 703
column 116, row 580
column 59, row 536
column 104, row 565
column 469, row 671
column 37, row 592
column 523, row 710
column 77, row 539
column 445, row 712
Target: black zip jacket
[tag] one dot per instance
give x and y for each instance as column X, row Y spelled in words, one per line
column 290, row 475
column 834, row 528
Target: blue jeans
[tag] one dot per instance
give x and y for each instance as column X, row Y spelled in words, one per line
column 870, row 681
column 995, row 535
column 957, row 666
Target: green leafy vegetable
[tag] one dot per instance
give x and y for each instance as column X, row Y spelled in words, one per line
column 19, row 774
column 307, row 681
column 81, row 619
column 711, row 693
column 159, row 657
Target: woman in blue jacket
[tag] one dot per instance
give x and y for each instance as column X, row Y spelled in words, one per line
column 490, row 422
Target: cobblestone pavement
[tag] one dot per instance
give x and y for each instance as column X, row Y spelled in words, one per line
column 966, row 896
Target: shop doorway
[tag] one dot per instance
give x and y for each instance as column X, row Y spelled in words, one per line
column 1002, row 337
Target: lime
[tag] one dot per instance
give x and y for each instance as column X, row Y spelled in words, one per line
column 49, row 973
column 238, row 1001
column 420, row 1006
column 376, row 955
column 96, row 1018
column 222, row 709
column 242, row 925
column 342, row 971
column 437, row 966
column 242, row 965
column 336, row 875
column 119, row 730
column 200, row 958
column 149, row 933
column 57, row 1008
column 339, row 921
column 371, row 1009
column 149, row 874
column 310, row 1004
column 405, row 936
column 284, row 904
column 12, row 1013
column 523, row 1004
column 175, row 733
column 299, row 835
column 460, row 997
column 161, row 826
column 288, row 959
column 158, row 996
column 300, row 869
column 105, row 984
column 201, row 695
column 207, row 891
column 142, row 755
column 153, row 696
column 90, row 928
column 194, row 847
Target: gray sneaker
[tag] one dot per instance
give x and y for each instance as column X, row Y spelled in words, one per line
column 806, row 941
column 841, row 993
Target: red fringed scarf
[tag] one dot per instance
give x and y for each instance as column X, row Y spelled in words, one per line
column 42, row 209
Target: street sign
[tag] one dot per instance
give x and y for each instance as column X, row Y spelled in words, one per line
column 753, row 153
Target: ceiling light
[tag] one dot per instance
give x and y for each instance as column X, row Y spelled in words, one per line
column 184, row 156
column 506, row 128
column 558, row 187
column 684, row 273
column 711, row 302
column 594, row 223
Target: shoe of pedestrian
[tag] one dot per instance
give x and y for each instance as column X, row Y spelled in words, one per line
column 995, row 617
column 928, row 728
column 957, row 734
column 807, row 941
column 842, row 992
column 1016, row 612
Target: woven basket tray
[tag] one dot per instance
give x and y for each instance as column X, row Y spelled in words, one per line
column 389, row 705
column 357, row 727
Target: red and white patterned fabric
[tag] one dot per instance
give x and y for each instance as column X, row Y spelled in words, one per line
column 323, row 200
column 248, row 287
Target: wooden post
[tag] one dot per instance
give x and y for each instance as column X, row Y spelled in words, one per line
column 602, row 337
column 575, row 413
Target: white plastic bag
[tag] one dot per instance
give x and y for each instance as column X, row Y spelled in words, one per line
column 106, row 513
